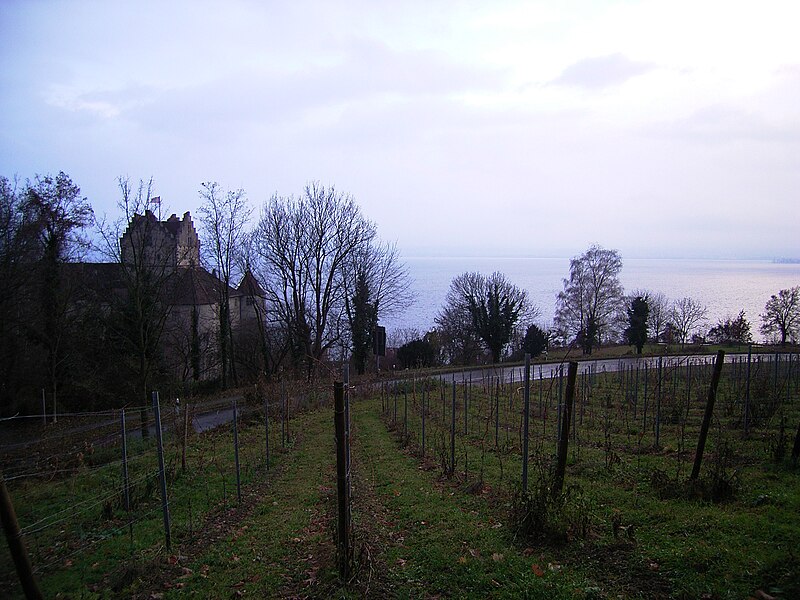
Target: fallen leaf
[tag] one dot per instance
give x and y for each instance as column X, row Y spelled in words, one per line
column 554, row 567
column 497, row 557
column 654, row 566
column 537, row 570
column 172, row 559
column 462, row 560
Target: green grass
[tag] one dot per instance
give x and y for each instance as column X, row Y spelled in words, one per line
column 419, row 532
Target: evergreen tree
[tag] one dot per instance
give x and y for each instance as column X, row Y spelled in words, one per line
column 636, row 331
column 535, row 341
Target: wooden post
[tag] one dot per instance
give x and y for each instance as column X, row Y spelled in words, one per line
column 342, row 487
column 712, row 397
column 15, row 544
column 561, row 463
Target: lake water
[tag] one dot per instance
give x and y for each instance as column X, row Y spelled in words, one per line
column 724, row 286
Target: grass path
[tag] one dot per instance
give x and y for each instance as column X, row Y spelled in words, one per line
column 440, row 542
column 419, row 536
column 284, row 547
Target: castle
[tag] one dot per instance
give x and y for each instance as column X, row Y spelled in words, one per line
column 170, row 250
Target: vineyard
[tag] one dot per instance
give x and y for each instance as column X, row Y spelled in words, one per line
column 443, row 502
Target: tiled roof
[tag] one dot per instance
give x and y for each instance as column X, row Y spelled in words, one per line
column 249, row 286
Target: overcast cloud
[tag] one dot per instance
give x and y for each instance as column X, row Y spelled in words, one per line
column 660, row 128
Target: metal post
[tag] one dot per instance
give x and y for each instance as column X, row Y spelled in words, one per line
column 526, row 398
column 162, row 475
column 346, row 381
column 644, row 404
column 424, row 389
column 236, row 451
column 496, row 413
column 453, row 432
column 283, row 415
column 125, row 479
column 466, row 405
column 405, row 412
column 747, row 391
column 266, row 430
column 342, row 487
column 126, row 482
column 658, row 401
column 44, row 408
column 185, row 435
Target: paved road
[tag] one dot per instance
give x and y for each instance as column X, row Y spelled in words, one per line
column 609, row 365
column 209, row 418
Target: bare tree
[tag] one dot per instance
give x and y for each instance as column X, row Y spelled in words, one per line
column 224, row 217
column 659, row 313
column 588, row 308
column 781, row 315
column 489, row 309
column 686, row 315
column 303, row 242
column 146, row 262
column 376, row 285
column 273, row 339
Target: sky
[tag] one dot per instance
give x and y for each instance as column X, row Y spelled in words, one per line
column 658, row 128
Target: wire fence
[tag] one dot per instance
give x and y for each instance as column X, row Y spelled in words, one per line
column 463, row 421
column 87, row 490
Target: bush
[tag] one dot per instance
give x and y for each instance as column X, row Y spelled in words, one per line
column 415, row 354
